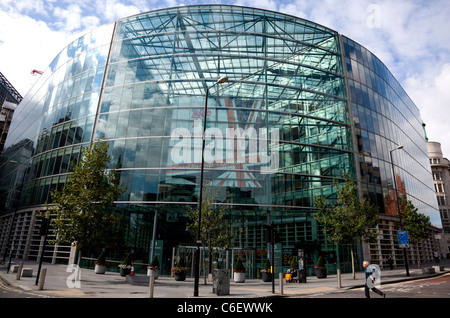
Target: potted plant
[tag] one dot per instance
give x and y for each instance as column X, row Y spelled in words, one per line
column 239, row 271
column 180, row 270
column 153, row 268
column 321, row 271
column 266, row 274
column 100, row 264
column 125, row 266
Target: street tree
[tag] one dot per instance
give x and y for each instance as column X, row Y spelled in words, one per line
column 348, row 221
column 82, row 210
column 416, row 224
column 214, row 231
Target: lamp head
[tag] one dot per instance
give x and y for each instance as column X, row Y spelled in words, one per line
column 400, row 147
column 222, row 80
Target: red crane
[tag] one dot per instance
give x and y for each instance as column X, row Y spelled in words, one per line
column 34, row 72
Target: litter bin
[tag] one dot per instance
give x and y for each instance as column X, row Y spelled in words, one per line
column 221, row 282
column 302, row 276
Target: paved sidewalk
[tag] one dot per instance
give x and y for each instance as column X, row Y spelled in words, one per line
column 59, row 282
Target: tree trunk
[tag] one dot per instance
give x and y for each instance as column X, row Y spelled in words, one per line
column 417, row 255
column 353, row 261
column 210, row 260
column 205, row 274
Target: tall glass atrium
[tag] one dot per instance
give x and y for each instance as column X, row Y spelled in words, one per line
column 303, row 105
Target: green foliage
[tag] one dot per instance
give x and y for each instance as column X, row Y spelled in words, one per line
column 181, row 262
column 239, row 266
column 415, row 223
column 180, row 268
column 266, row 266
column 155, row 263
column 214, row 231
column 82, row 209
column 320, row 262
column 101, row 260
column 351, row 219
column 126, row 263
column 294, row 262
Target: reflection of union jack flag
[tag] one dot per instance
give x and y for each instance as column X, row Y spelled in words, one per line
column 238, row 158
column 200, row 115
column 239, row 176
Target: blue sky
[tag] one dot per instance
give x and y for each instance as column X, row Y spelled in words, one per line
column 410, row 36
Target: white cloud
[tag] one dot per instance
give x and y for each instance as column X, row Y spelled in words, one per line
column 262, row 4
column 90, row 22
column 68, row 19
column 431, row 93
column 26, row 44
column 25, row 6
column 113, row 10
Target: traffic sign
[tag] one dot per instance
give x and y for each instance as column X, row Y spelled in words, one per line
column 403, row 240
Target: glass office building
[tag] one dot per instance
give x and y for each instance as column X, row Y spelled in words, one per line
column 303, row 105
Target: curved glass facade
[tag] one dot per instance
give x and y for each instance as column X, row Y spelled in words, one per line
column 296, row 112
column 384, row 118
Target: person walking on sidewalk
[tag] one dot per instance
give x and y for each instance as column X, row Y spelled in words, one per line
column 370, row 281
column 436, row 256
column 390, row 261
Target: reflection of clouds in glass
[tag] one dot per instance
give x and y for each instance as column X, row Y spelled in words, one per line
column 93, row 105
column 116, row 150
column 101, row 129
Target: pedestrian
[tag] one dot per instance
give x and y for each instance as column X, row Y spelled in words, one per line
column 436, row 256
column 370, row 281
column 292, row 272
column 390, row 261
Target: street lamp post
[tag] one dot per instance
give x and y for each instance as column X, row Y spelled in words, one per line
column 405, row 254
column 199, row 242
column 155, row 221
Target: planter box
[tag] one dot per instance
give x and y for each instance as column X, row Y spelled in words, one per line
column 125, row 271
column 27, row 272
column 266, row 276
column 100, row 269
column 321, row 272
column 153, row 272
column 428, row 270
column 180, row 277
column 239, row 277
column 438, row 268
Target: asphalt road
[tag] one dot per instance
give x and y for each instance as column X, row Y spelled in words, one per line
column 435, row 287
column 9, row 291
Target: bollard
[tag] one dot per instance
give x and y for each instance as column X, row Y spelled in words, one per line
column 152, row 285
column 19, row 271
column 42, row 279
column 281, row 283
column 339, row 278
